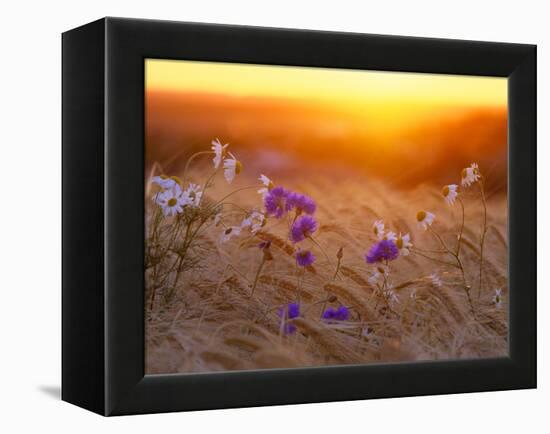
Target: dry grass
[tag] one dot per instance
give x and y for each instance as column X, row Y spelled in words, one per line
column 209, row 320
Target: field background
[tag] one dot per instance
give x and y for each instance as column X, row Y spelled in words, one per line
column 359, row 165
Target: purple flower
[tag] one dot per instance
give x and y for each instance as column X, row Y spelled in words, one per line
column 302, row 228
column 340, row 314
column 291, row 311
column 385, row 250
column 275, row 202
column 301, row 202
column 305, row 258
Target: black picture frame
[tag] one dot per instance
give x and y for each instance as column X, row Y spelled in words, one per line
column 103, row 208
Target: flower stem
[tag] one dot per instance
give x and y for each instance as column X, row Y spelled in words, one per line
column 461, row 231
column 231, row 194
column 483, row 232
column 459, row 264
column 415, row 250
column 257, row 276
column 320, row 248
column 191, row 158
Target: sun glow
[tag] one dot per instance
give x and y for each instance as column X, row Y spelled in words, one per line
column 344, row 86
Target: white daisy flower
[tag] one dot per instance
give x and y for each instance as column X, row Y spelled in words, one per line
column 268, row 185
column 171, row 201
column 378, row 229
column 166, row 182
column 219, row 152
column 391, row 296
column 436, row 280
column 497, row 298
column 193, row 195
column 450, row 193
column 256, row 220
column 377, row 275
column 425, row 219
column 231, row 168
column 470, row 175
column 374, row 278
column 390, row 236
column 403, row 243
column 367, row 332
column 230, row 232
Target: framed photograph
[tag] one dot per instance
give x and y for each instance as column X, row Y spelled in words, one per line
column 257, row 216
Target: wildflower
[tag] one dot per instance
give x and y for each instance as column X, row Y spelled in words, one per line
column 268, row 185
column 275, row 202
column 378, row 229
column 470, row 175
column 391, row 296
column 390, row 236
column 436, row 280
column 425, row 219
column 303, row 228
column 340, row 314
column 163, row 181
column 377, row 274
column 217, row 219
column 367, row 332
column 230, row 232
column 167, row 183
column 403, row 243
column 497, row 298
column 300, row 202
column 256, row 220
column 231, row 168
column 305, row 258
column 374, row 278
column 219, row 152
column 193, row 195
column 384, row 250
column 450, row 193
column 171, row 202
column 290, row 311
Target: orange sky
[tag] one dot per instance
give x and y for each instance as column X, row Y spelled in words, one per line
column 350, row 115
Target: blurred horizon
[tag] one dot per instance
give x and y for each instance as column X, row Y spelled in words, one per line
column 404, row 128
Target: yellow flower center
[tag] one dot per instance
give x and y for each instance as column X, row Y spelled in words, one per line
column 163, row 177
column 446, row 191
column 421, row 216
column 375, row 230
column 399, row 243
column 172, row 201
column 270, row 185
column 175, row 178
column 238, row 167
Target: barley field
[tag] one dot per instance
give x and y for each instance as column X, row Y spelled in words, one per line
column 227, row 293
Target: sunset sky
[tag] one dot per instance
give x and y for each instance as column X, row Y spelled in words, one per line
column 335, row 115
column 335, row 85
